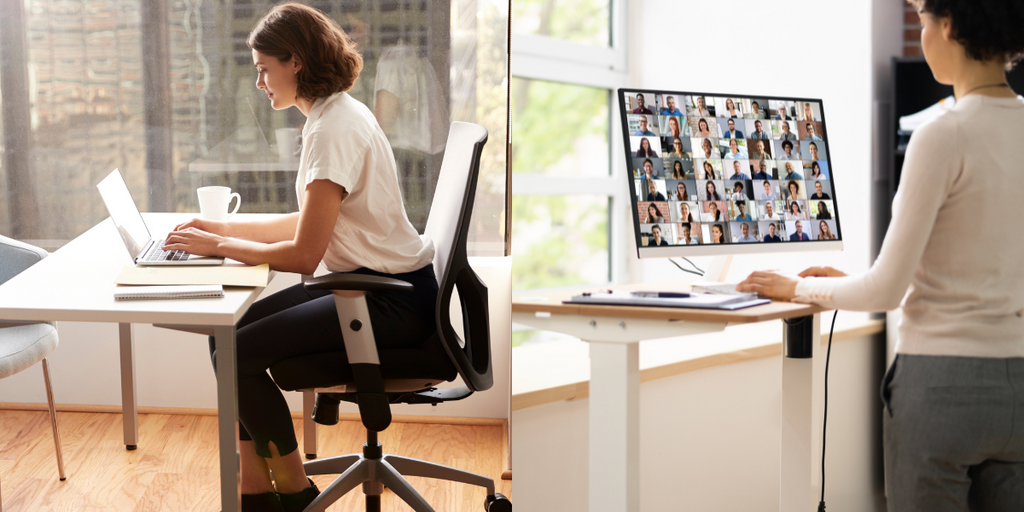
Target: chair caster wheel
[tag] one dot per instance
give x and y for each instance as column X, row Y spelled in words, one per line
column 311, row 456
column 497, row 503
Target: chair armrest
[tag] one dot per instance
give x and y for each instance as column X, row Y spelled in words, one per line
column 360, row 282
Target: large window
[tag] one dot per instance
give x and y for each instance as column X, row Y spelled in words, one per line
column 165, row 91
column 567, row 205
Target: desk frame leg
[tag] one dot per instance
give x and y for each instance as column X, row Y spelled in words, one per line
column 614, row 427
column 802, row 371
column 129, row 398
column 227, row 418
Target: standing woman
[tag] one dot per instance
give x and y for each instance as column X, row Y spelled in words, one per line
column 350, row 217
column 954, row 396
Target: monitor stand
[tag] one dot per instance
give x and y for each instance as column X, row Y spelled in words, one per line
column 718, row 269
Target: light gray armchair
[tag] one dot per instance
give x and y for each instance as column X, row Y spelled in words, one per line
column 25, row 344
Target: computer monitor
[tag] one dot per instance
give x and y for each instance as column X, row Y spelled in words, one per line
column 714, row 174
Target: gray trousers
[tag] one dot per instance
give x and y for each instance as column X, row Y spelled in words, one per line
column 954, row 434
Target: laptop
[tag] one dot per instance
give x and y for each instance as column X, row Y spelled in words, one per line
column 144, row 250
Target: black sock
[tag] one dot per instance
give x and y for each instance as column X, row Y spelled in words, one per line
column 265, row 502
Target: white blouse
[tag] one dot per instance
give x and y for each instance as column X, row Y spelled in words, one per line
column 343, row 143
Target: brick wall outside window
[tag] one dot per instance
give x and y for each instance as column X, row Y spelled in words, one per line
column 911, row 32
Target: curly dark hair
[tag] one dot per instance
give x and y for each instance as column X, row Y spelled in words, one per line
column 987, row 29
column 330, row 62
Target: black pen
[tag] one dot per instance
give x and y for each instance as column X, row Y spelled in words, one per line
column 661, row 295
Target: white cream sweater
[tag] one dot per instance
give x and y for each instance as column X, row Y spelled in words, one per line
column 954, row 250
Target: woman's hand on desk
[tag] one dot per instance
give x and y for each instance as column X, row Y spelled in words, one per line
column 772, row 285
column 193, row 241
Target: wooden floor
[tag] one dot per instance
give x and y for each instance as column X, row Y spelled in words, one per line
column 175, row 466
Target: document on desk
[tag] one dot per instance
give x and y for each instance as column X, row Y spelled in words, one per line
column 227, row 275
column 697, row 301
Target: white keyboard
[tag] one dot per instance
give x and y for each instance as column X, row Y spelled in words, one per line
column 719, row 288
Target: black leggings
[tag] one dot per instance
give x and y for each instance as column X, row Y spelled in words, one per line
column 296, row 322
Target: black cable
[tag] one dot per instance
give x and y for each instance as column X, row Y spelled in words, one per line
column 824, row 421
column 692, row 264
column 680, row 267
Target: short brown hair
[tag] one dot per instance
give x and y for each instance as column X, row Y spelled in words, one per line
column 330, row 62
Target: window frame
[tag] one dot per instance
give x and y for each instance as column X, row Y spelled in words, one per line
column 557, row 60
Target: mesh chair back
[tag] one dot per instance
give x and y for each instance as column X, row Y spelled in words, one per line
column 448, row 227
column 17, row 256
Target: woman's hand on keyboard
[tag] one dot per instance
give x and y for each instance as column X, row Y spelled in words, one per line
column 822, row 272
column 193, row 241
column 772, row 285
column 210, row 226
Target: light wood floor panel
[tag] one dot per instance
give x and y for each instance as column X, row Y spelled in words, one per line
column 175, row 467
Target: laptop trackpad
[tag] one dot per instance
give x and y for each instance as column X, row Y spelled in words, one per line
column 204, row 260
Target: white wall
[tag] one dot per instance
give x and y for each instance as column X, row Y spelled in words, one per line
column 173, row 368
column 710, row 439
column 733, row 46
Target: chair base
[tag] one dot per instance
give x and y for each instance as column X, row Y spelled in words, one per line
column 375, row 471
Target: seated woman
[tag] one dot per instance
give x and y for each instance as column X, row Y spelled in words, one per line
column 350, row 217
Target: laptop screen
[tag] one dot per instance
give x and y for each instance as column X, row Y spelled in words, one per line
column 124, row 213
column 724, row 169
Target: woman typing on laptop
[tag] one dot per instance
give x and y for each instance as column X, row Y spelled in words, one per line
column 953, row 431
column 351, row 217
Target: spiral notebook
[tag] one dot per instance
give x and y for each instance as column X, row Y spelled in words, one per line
column 169, row 292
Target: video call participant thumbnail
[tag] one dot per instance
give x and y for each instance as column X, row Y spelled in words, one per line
column 707, row 148
column 676, row 147
column 687, row 234
column 742, row 232
column 772, row 233
column 819, row 192
column 758, row 131
column 642, row 127
column 641, row 105
column 670, row 107
column 717, row 233
column 652, row 214
column 798, row 232
column 731, row 132
column 787, row 150
column 786, row 131
column 657, row 239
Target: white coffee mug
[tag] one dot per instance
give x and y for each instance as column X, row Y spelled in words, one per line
column 213, row 202
column 289, row 144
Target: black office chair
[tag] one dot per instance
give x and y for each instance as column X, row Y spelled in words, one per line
column 375, row 378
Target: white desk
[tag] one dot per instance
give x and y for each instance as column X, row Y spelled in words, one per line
column 614, row 334
column 76, row 283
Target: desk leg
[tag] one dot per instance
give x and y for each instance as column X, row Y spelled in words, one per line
column 129, row 401
column 614, row 427
column 802, row 365
column 227, row 418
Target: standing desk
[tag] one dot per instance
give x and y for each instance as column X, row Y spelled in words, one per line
column 614, row 334
column 76, row 283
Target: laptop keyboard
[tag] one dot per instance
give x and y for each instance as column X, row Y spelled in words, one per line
column 156, row 254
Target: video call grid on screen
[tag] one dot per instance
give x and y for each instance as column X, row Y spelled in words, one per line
column 724, row 174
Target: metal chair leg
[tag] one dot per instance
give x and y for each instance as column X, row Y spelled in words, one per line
column 53, row 419
column 308, row 425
